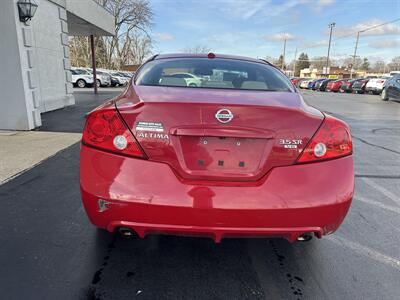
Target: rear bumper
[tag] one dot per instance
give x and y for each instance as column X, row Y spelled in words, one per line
column 332, row 89
column 373, row 89
column 149, row 198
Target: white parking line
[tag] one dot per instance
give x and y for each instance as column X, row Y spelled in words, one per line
column 366, row 251
column 381, row 189
column 378, row 204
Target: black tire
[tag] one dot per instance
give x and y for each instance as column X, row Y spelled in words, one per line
column 98, row 83
column 193, row 85
column 384, row 95
column 81, row 83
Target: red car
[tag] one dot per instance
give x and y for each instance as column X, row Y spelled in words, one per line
column 334, row 86
column 239, row 155
column 295, row 81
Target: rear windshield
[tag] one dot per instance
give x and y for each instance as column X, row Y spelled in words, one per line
column 213, row 73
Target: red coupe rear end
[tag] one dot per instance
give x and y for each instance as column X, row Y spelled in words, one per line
column 240, row 155
column 334, row 86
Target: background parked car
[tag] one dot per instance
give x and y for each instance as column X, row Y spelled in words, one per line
column 311, row 84
column 127, row 75
column 323, row 84
column 318, row 84
column 191, row 80
column 334, row 86
column 103, row 79
column 359, row 86
column 300, row 80
column 391, row 88
column 118, row 79
column 375, row 85
column 304, row 83
column 315, row 84
column 295, row 81
column 347, row 86
column 81, row 78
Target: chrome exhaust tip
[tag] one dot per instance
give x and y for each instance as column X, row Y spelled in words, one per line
column 305, row 237
column 126, row 232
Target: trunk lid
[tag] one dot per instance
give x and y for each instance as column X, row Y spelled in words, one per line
column 180, row 127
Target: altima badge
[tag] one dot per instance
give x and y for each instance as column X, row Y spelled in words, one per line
column 224, row 115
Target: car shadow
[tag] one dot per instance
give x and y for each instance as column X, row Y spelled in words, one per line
column 173, row 267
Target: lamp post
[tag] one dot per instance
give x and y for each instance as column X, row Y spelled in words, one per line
column 333, row 24
column 93, row 48
column 284, row 54
column 26, row 10
column 355, row 54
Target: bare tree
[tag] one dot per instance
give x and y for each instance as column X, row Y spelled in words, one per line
column 197, row 49
column 270, row 59
column 394, row 65
column 79, row 51
column 140, row 47
column 132, row 19
column 379, row 66
column 319, row 62
column 130, row 16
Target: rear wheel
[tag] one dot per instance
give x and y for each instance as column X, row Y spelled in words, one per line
column 81, row 83
column 98, row 83
column 384, row 95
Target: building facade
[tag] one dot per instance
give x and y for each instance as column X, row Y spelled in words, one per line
column 35, row 72
column 333, row 73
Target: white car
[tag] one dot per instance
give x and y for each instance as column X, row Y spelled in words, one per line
column 375, row 85
column 191, row 80
column 304, row 83
column 103, row 78
column 81, row 78
column 120, row 78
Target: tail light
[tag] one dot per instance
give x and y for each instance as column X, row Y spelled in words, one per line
column 332, row 140
column 105, row 130
column 381, row 81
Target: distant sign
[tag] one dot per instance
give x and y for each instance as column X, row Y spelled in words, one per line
column 333, row 77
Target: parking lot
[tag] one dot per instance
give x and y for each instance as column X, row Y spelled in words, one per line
column 51, row 251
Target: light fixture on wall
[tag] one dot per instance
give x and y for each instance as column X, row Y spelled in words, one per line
column 26, row 9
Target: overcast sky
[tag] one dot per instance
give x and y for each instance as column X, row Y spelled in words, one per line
column 257, row 28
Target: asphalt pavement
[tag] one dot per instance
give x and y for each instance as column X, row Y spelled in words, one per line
column 49, row 250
